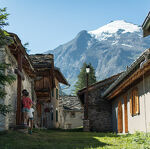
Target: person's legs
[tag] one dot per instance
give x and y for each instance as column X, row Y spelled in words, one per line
column 25, row 115
column 31, row 125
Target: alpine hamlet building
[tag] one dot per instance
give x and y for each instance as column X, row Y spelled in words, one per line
column 125, row 100
column 99, row 109
column 70, row 112
column 37, row 74
column 21, row 67
column 46, row 87
column 55, row 114
column 129, row 96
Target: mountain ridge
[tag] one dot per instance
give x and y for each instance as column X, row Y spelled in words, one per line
column 109, row 52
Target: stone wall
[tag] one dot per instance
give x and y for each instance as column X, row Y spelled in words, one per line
column 70, row 112
column 2, row 118
column 99, row 111
column 71, row 119
column 11, row 97
column 11, row 90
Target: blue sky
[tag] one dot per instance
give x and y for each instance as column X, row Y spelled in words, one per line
column 46, row 24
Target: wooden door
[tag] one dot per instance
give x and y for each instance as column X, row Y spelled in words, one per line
column 120, row 120
column 125, row 114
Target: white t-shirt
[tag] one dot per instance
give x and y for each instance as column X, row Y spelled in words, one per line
column 30, row 113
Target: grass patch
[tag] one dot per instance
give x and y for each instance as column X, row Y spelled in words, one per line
column 72, row 139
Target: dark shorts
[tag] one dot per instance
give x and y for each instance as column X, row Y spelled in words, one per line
column 30, row 118
column 25, row 110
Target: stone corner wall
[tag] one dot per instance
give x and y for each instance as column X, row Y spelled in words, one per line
column 99, row 112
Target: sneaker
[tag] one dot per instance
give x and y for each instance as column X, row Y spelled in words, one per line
column 30, row 131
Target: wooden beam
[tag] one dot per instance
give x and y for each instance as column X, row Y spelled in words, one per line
column 19, row 85
column 18, row 72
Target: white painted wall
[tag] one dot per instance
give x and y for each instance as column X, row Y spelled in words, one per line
column 139, row 122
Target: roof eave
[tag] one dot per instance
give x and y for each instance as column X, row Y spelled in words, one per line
column 122, row 76
column 146, row 26
column 65, row 82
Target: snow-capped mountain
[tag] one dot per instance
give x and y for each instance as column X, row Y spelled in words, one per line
column 108, row 30
column 109, row 49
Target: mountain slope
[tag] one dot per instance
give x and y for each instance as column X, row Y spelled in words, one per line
column 110, row 49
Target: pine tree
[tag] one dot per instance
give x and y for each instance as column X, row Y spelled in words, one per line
column 81, row 83
column 4, row 79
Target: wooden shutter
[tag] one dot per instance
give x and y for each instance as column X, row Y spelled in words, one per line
column 125, row 114
column 137, row 107
column 131, row 106
column 120, row 123
column 133, row 102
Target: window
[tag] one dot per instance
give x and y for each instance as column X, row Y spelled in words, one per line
column 72, row 114
column 56, row 115
column 53, row 92
column 134, row 102
column 56, row 93
column 52, row 116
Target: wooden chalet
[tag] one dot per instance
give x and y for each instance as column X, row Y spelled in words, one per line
column 45, row 84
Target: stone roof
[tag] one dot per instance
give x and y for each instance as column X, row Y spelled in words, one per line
column 70, row 103
column 100, row 83
column 42, row 60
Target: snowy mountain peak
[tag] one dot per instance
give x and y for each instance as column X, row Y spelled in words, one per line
column 118, row 45
column 113, row 27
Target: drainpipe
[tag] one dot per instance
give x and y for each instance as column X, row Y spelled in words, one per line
column 141, row 66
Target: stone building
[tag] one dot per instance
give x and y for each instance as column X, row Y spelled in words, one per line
column 20, row 66
column 99, row 109
column 70, row 112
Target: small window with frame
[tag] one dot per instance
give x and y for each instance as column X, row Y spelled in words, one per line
column 72, row 114
column 134, row 102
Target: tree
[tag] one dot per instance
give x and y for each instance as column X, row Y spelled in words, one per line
column 4, row 79
column 81, row 83
column 4, row 36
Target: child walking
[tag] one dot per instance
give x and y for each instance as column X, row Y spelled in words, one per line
column 26, row 102
column 30, row 115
